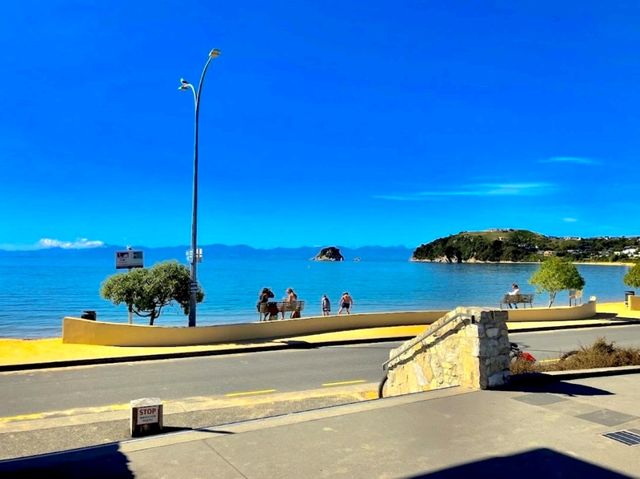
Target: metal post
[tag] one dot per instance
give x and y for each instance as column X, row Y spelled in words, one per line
column 129, row 308
column 194, row 217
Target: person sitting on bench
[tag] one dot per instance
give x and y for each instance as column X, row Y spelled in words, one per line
column 515, row 291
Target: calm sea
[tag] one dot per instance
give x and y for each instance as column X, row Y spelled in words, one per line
column 38, row 290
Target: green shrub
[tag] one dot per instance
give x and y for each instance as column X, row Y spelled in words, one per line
column 601, row 354
column 632, row 278
column 147, row 291
column 554, row 275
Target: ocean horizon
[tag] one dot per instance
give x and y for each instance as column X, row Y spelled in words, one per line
column 38, row 288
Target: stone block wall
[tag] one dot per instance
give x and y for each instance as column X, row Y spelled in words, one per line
column 472, row 350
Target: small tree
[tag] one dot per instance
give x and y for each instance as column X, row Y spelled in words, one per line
column 632, row 278
column 147, row 291
column 554, row 275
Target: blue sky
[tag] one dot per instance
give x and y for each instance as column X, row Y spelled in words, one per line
column 332, row 122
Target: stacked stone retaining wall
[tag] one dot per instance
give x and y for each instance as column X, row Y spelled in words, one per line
column 470, row 348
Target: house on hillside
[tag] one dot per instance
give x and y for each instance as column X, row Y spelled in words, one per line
column 630, row 252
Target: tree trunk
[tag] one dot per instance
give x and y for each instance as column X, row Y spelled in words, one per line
column 152, row 318
column 552, row 297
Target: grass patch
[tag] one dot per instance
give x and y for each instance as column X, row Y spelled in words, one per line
column 601, row 354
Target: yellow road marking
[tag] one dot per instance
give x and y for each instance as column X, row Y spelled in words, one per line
column 370, row 395
column 68, row 412
column 87, row 415
column 250, row 393
column 23, row 417
column 343, row 383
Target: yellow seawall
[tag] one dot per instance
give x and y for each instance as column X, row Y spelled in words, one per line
column 82, row 331
column 560, row 313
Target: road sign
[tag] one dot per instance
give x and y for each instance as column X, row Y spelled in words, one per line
column 129, row 259
column 146, row 416
column 198, row 255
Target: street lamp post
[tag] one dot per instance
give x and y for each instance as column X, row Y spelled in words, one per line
column 195, row 256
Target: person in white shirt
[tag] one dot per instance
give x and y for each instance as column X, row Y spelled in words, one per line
column 326, row 305
column 515, row 290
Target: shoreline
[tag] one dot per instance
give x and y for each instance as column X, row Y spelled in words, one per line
column 593, row 263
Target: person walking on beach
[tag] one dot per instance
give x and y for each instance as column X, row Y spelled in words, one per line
column 292, row 297
column 346, row 301
column 326, row 305
column 515, row 290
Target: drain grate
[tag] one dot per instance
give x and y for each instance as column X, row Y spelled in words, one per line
column 630, row 438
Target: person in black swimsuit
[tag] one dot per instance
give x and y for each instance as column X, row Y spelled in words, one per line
column 346, row 301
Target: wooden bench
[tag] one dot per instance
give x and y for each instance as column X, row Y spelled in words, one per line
column 269, row 311
column 575, row 297
column 516, row 299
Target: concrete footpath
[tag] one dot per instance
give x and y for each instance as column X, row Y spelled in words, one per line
column 555, row 430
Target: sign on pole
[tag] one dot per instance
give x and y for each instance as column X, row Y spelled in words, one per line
column 189, row 254
column 129, row 259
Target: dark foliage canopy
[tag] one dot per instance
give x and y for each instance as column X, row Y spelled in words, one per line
column 522, row 245
column 147, row 291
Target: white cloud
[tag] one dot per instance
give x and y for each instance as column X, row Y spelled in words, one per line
column 78, row 244
column 569, row 220
column 577, row 160
column 478, row 189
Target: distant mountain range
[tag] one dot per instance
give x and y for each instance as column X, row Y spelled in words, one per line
column 494, row 245
column 363, row 253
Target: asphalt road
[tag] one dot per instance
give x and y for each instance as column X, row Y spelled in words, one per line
column 275, row 371
column 282, row 371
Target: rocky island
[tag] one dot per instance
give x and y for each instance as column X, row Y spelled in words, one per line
column 329, row 254
column 512, row 245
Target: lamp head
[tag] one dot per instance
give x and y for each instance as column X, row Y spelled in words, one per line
column 214, row 53
column 184, row 84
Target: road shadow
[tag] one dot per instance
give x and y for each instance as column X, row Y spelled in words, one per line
column 605, row 316
column 105, row 461
column 543, row 383
column 100, row 462
column 532, row 464
column 616, row 317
